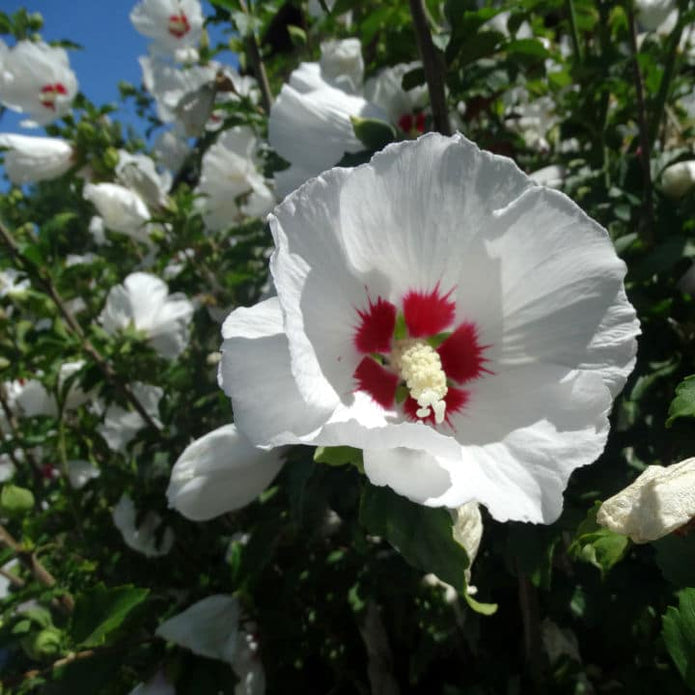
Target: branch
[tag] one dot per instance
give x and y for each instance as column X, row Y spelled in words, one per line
column 44, row 278
column 528, row 602
column 433, row 65
column 33, row 564
column 646, row 228
column 257, row 63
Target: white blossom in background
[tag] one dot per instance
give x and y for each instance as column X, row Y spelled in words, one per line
column 658, row 502
column 81, row 472
column 138, row 172
column 143, row 301
column 552, row 176
column 30, row 398
column 405, row 109
column 175, row 88
column 320, row 100
column 435, row 238
column 678, row 179
column 211, row 628
column 121, row 209
column 98, row 230
column 218, row 473
column 13, row 282
column 687, row 281
column 175, row 26
column 143, row 538
column 342, row 64
column 120, row 425
column 30, row 159
column 307, row 111
column 36, row 79
column 533, row 119
column 653, row 13
column 171, row 149
column 231, row 183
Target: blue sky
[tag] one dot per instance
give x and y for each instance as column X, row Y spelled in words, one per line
column 110, row 46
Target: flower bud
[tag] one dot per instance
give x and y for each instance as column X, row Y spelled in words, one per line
column 678, row 179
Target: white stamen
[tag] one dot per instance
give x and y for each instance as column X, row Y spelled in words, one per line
column 420, row 367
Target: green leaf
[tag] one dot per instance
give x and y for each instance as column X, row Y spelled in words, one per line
column 674, row 556
column 597, row 545
column 297, row 34
column 338, row 455
column 373, row 133
column 101, row 610
column 423, row 535
column 527, row 47
column 679, row 635
column 15, row 500
column 683, row 405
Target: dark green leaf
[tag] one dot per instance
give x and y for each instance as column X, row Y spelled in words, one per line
column 683, row 405
column 337, row 455
column 101, row 610
column 679, row 635
column 423, row 535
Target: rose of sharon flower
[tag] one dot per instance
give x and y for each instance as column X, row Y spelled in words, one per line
column 218, row 473
column 30, row 159
column 660, row 501
column 230, row 182
column 464, row 326
column 678, row 179
column 143, row 300
column 120, row 208
column 174, row 25
column 146, row 538
column 36, row 79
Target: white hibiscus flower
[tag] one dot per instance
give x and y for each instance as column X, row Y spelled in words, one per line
column 121, row 209
column 661, row 500
column 143, row 300
column 465, row 327
column 175, row 26
column 146, row 539
column 231, row 184
column 30, row 159
column 321, row 99
column 121, row 425
column 138, row 172
column 219, row 473
column 36, row 79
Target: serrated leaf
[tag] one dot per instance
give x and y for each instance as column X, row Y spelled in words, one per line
column 101, row 610
column 373, row 133
column 679, row 635
column 683, row 405
column 423, row 535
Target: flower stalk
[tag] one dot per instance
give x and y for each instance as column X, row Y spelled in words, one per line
column 433, row 65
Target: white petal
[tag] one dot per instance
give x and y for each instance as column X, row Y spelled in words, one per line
column 33, row 159
column 158, row 685
column 661, row 500
column 81, row 472
column 208, row 628
column 342, row 64
column 122, row 209
column 143, row 538
column 386, row 91
column 219, row 473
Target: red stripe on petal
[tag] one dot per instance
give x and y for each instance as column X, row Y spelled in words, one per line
column 455, row 399
column 377, row 324
column 427, row 313
column 378, row 382
column 462, row 355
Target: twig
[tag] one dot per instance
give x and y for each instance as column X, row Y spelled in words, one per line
column 12, row 578
column 257, row 64
column 433, row 65
column 528, row 603
column 47, row 283
column 646, row 228
column 33, row 564
column 667, row 75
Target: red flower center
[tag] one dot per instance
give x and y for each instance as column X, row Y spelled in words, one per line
column 451, row 355
column 412, row 124
column 179, row 25
column 49, row 94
